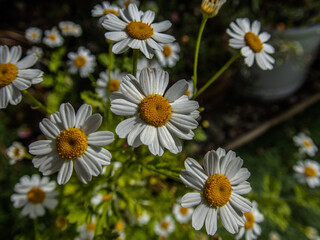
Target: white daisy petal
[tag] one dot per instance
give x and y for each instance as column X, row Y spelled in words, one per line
column 177, row 90
column 92, row 124
column 184, row 105
column 21, row 83
column 256, row 27
column 65, row 172
column 15, row 96
column 134, row 12
column 4, row 97
column 163, row 38
column 241, row 176
column 195, row 168
column 121, row 46
column 148, row 134
column 50, row 203
column 123, row 107
column 82, row 170
column 49, row 129
column 27, row 62
column 15, row 54
column 41, row 147
column 228, row 222
column 124, row 127
column 101, row 138
column 211, row 163
column 132, row 90
column 240, row 203
column 116, row 36
column 93, row 164
column 100, row 154
column 67, row 115
column 264, row 36
column 243, row 188
column 190, row 200
column 148, row 17
column 199, row 216
column 83, row 113
column 211, row 221
column 191, row 180
column 161, row 26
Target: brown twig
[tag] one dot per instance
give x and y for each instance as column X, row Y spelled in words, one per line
column 248, row 137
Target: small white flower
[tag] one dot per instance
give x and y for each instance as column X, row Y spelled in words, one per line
column 146, row 63
column 251, row 227
column 104, row 9
column 36, row 51
column 305, row 144
column 143, row 218
column 160, row 117
column 69, row 28
column 16, row 152
column 165, row 226
column 119, row 228
column 308, row 171
column 169, row 56
column 34, row 194
column 252, row 44
column 16, row 75
column 136, row 30
column 99, row 198
column 82, row 61
column 52, row 38
column 183, row 215
column 73, row 142
column 189, row 92
column 86, row 232
column 33, row 34
column 106, row 86
column 222, row 181
column 126, row 3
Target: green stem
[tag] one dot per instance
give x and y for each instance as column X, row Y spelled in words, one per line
column 92, row 80
column 36, row 229
column 225, row 67
column 135, row 61
column 111, row 59
column 35, row 101
column 196, row 55
column 177, row 179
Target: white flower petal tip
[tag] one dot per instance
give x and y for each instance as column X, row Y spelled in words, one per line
column 221, row 181
column 162, row 116
column 74, row 143
column 252, row 44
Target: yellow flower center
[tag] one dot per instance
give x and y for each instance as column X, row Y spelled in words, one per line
column 217, row 190
column 119, row 226
column 36, row 195
column 80, row 61
column 8, row 73
column 114, row 85
column 155, row 110
column 71, row 143
column 253, row 41
column 164, row 225
column 91, row 227
column 34, row 35
column 52, row 37
column 106, row 12
column 184, row 211
column 187, row 93
column 310, row 172
column 167, row 51
column 208, row 7
column 139, row 30
column 307, row 143
column 250, row 220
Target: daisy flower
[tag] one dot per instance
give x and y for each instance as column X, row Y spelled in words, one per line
column 86, row 232
column 36, row 51
column 189, row 92
column 69, row 28
column 210, row 8
column 119, row 228
column 136, row 30
column 146, row 63
column 251, row 228
column 15, row 75
column 306, row 144
column 34, row 194
column 52, row 38
column 159, row 117
column 105, row 86
column 73, row 142
column 252, row 44
column 169, row 55
column 126, row 3
column 82, row 61
column 308, row 171
column 165, row 226
column 183, row 215
column 104, row 9
column 222, row 181
column 143, row 218
column 33, row 34
column 99, row 198
column 15, row 152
